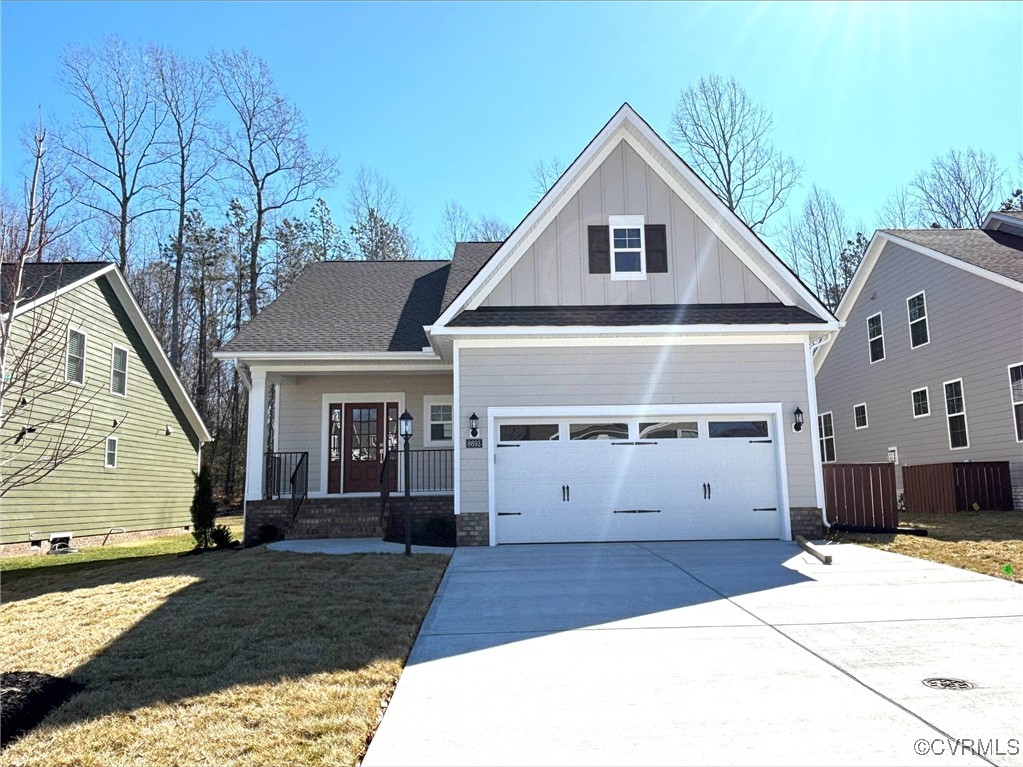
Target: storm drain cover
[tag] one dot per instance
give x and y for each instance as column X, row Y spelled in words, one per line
column 942, row 683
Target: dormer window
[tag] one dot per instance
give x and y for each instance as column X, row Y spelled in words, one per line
column 628, row 254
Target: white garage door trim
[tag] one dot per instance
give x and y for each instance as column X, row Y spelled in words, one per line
column 772, row 409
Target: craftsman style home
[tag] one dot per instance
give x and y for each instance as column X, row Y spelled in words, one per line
column 929, row 366
column 632, row 363
column 100, row 439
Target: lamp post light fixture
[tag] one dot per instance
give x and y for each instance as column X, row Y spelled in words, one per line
column 405, row 431
column 474, row 423
column 797, row 425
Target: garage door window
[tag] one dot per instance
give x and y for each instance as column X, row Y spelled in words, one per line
column 598, row 431
column 668, row 430
column 753, row 429
column 529, row 432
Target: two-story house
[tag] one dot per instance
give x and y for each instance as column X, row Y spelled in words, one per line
column 631, row 363
column 929, row 366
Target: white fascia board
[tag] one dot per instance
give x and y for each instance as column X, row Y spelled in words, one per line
column 737, row 225
column 623, row 341
column 145, row 331
column 995, row 219
column 638, row 330
column 418, row 356
column 27, row 307
column 368, row 367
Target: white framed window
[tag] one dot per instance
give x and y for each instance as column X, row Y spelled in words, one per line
column 826, row 424
column 860, row 416
column 921, row 402
column 439, row 421
column 875, row 337
column 1016, row 392
column 628, row 247
column 110, row 454
column 893, row 455
column 118, row 370
column 916, row 307
column 955, row 412
column 74, row 363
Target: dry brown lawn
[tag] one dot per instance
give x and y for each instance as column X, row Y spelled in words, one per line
column 982, row 541
column 246, row 657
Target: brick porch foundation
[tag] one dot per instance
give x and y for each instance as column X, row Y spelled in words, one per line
column 806, row 521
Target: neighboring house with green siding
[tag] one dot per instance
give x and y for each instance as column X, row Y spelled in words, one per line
column 98, row 437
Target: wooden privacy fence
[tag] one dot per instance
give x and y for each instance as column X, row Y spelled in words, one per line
column 945, row 488
column 861, row 495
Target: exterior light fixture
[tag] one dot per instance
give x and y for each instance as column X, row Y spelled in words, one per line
column 169, row 430
column 797, row 424
column 474, row 423
column 405, row 431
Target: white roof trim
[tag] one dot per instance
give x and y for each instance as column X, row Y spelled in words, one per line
column 780, row 280
column 863, row 271
column 423, row 356
column 997, row 217
column 637, row 330
column 30, row 305
column 145, row 331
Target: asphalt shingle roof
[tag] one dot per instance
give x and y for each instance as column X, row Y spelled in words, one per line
column 660, row 314
column 1011, row 213
column 40, row 280
column 997, row 251
column 469, row 258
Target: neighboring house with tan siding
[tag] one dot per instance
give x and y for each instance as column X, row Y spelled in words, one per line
column 930, row 361
column 97, row 382
column 627, row 365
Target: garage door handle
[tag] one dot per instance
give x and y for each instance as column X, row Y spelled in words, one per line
column 761, row 441
column 564, row 494
column 509, row 513
column 767, row 508
column 705, row 486
column 708, row 491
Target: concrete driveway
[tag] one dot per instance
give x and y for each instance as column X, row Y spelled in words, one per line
column 708, row 653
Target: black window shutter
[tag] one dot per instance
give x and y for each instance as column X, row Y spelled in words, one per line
column 600, row 250
column 656, row 248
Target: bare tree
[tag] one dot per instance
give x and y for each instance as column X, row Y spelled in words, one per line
column 545, row 174
column 184, row 89
column 959, row 189
column 490, row 229
column 45, row 422
column 821, row 247
column 114, row 143
column 458, row 225
column 380, row 220
column 725, row 136
column 267, row 146
column 898, row 211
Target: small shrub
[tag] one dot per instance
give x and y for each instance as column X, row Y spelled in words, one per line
column 267, row 533
column 222, row 537
column 204, row 509
column 440, row 531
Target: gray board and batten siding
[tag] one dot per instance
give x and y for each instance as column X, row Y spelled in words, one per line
column 151, row 487
column 554, row 270
column 975, row 329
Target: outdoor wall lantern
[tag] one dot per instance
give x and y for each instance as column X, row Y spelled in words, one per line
column 474, row 423
column 797, row 425
column 405, row 431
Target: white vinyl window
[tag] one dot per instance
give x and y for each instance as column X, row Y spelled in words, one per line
column 628, row 249
column 110, row 456
column 74, row 367
column 921, row 402
column 916, row 306
column 826, row 424
column 119, row 370
column 860, row 415
column 1016, row 392
column 875, row 337
column 955, row 412
column 439, row 418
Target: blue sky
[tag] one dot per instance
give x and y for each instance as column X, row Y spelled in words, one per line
column 458, row 101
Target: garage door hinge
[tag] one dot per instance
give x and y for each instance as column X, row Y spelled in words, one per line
column 767, row 508
column 637, row 511
column 760, row 441
column 509, row 513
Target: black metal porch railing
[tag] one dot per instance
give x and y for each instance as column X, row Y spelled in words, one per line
column 287, row 475
column 432, row 470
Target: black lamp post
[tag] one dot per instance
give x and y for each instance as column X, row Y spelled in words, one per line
column 405, row 430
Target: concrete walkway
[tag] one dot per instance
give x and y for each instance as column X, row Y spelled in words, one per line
column 352, row 546
column 708, row 653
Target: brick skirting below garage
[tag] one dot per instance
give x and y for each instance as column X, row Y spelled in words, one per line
column 806, row 521
column 473, row 529
column 346, row 517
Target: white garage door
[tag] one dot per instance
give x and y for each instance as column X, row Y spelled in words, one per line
column 636, row 479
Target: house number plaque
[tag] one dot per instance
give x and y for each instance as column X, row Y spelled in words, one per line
column 474, row 442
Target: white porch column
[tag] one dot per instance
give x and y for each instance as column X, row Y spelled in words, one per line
column 256, row 437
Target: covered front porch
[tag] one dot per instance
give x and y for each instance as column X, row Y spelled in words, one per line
column 325, row 458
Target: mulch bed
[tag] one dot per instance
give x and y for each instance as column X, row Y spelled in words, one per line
column 28, row 696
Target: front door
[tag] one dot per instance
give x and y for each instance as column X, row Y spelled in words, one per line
column 357, row 447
